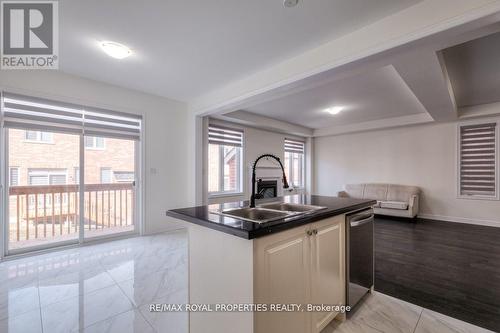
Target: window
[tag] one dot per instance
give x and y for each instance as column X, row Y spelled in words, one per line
column 76, row 175
column 224, row 160
column 106, row 175
column 52, row 175
column 47, row 176
column 294, row 162
column 94, row 142
column 13, row 176
column 478, row 155
column 124, row 176
column 38, row 136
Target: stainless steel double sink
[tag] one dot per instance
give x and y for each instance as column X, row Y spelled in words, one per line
column 269, row 212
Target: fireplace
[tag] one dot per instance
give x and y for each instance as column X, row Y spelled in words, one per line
column 267, row 189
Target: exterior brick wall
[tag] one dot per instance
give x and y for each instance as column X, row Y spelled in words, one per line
column 63, row 153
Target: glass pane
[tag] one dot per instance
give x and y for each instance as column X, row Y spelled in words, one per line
column 43, row 201
column 287, row 168
column 45, row 137
column 224, row 168
column 89, row 141
column 30, row 135
column 296, row 169
column 109, row 201
column 213, row 168
column 231, row 158
column 99, row 142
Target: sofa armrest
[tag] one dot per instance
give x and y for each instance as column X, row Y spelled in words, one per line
column 413, row 205
column 342, row 194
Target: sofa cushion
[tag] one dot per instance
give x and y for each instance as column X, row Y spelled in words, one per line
column 355, row 190
column 401, row 192
column 394, row 204
column 375, row 192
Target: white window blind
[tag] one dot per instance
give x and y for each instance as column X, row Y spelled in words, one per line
column 25, row 112
column 478, row 160
column 225, row 136
column 13, row 176
column 294, row 146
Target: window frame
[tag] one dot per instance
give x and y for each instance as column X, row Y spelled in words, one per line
column 48, row 173
column 240, row 188
column 291, row 169
column 495, row 197
column 94, row 142
column 111, row 175
column 38, row 137
column 137, row 134
column 10, row 176
column 117, row 180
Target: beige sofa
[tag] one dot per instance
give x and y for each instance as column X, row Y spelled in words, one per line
column 394, row 200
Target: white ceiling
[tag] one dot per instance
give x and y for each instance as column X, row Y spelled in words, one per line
column 183, row 49
column 474, row 70
column 376, row 94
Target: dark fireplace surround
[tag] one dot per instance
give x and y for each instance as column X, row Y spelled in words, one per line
column 267, row 189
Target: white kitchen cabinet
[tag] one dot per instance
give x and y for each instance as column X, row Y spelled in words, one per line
column 304, row 265
column 327, row 268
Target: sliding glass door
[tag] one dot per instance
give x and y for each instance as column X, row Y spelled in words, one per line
column 109, row 186
column 43, row 190
column 70, row 173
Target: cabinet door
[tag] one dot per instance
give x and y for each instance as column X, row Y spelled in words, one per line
column 282, row 276
column 327, row 274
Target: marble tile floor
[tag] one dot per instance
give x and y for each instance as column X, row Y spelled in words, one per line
column 108, row 288
column 379, row 313
column 104, row 287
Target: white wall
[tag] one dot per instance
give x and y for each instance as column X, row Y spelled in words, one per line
column 421, row 155
column 257, row 142
column 168, row 134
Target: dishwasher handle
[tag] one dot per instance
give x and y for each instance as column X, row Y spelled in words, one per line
column 361, row 219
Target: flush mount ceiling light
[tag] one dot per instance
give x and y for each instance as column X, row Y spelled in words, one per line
column 334, row 110
column 290, row 3
column 115, row 50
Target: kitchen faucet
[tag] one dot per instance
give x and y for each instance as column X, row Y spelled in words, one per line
column 285, row 183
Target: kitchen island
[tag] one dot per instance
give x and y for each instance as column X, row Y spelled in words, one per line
column 296, row 259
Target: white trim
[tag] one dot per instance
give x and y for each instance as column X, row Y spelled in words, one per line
column 453, row 219
column 214, row 195
column 496, row 197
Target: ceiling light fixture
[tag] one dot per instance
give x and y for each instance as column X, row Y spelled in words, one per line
column 290, row 3
column 334, row 110
column 115, row 50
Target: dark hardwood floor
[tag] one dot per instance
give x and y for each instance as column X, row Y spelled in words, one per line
column 451, row 268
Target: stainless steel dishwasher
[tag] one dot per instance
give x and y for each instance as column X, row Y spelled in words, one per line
column 359, row 255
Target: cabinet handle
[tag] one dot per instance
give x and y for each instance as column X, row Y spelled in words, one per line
column 309, row 233
column 315, row 231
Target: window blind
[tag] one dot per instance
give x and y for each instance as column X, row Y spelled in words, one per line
column 14, row 177
column 26, row 112
column 294, row 146
column 478, row 160
column 225, row 136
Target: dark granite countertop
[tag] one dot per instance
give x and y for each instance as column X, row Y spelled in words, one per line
column 204, row 216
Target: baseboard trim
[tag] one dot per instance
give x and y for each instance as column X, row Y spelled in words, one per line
column 489, row 223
